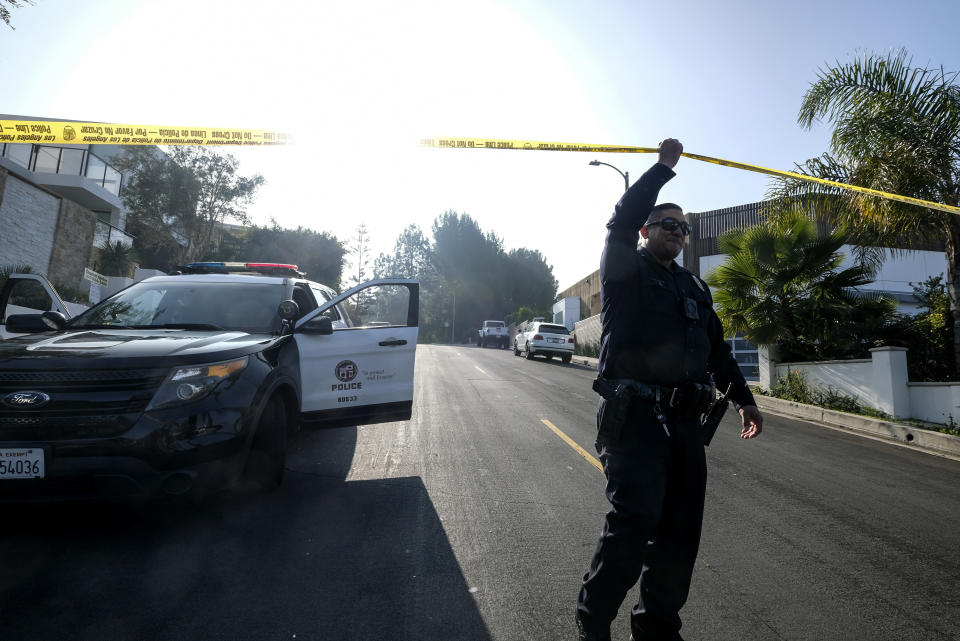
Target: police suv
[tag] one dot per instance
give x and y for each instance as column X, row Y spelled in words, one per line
column 184, row 384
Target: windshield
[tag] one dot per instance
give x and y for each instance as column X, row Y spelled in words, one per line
column 495, row 324
column 245, row 307
column 553, row 329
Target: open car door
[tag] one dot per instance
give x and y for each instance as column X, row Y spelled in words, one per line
column 28, row 294
column 362, row 373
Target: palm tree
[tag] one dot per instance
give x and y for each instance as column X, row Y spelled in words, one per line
column 117, row 259
column 783, row 284
column 896, row 128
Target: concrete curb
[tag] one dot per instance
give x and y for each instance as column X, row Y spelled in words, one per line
column 909, row 435
column 586, row 360
column 921, row 439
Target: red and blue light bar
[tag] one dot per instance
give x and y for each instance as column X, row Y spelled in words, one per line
column 222, row 265
column 231, row 267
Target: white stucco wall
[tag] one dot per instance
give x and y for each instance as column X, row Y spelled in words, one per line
column 570, row 308
column 935, row 402
column 853, row 377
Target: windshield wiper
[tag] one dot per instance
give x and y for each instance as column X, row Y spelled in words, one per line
column 98, row 326
column 180, row 326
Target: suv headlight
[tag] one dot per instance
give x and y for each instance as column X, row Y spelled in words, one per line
column 193, row 382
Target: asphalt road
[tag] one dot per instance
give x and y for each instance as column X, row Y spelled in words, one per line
column 475, row 521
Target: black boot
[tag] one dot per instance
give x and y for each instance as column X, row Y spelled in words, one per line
column 591, row 632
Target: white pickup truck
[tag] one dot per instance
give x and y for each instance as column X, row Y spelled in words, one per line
column 494, row 332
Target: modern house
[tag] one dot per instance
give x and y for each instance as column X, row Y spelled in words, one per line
column 58, row 202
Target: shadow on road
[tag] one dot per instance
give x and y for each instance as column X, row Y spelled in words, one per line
column 320, row 558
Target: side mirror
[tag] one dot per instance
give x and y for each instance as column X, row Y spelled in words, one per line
column 54, row 320
column 26, row 324
column 288, row 309
column 322, row 325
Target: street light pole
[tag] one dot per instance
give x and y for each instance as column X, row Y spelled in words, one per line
column 625, row 174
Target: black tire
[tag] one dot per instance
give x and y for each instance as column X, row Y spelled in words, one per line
column 516, row 350
column 549, row 357
column 566, row 358
column 267, row 461
column 528, row 354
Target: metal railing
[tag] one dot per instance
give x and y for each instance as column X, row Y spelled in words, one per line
column 105, row 233
column 70, row 161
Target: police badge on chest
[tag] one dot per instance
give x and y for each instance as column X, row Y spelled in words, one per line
column 690, row 308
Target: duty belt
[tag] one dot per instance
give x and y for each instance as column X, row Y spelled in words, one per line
column 667, row 396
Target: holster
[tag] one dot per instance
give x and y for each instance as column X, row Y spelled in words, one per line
column 612, row 414
column 711, row 419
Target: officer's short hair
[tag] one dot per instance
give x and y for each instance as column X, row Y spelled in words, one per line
column 663, row 207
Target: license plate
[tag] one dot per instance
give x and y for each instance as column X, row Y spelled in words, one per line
column 556, row 340
column 21, row 463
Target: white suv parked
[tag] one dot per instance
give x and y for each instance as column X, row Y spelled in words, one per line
column 547, row 339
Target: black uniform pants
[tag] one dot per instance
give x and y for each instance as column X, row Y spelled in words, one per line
column 656, row 485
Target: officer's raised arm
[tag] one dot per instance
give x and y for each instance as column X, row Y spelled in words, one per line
column 630, row 214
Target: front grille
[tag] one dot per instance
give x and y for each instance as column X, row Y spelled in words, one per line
column 83, row 403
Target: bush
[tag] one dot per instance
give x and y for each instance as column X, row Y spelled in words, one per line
column 589, row 348
column 72, row 294
column 794, row 387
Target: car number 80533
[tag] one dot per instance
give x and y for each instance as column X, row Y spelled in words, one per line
column 21, row 463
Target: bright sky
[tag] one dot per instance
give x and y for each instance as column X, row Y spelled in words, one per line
column 359, row 83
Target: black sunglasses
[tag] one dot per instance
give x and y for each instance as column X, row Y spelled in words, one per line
column 670, row 225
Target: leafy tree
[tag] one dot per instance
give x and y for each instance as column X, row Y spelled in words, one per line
column 896, row 128
column 220, row 195
column 359, row 252
column 473, row 267
column 465, row 265
column 524, row 313
column 530, row 280
column 5, row 12
column 928, row 336
column 178, row 202
column 412, row 257
column 318, row 254
column 783, row 283
column 158, row 194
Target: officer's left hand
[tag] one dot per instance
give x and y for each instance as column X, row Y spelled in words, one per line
column 752, row 421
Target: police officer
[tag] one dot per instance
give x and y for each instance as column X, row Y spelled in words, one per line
column 662, row 347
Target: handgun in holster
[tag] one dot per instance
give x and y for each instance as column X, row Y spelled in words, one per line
column 711, row 419
column 613, row 415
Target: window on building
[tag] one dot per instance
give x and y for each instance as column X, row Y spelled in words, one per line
column 111, row 180
column 47, row 159
column 18, row 153
column 71, row 162
column 96, row 168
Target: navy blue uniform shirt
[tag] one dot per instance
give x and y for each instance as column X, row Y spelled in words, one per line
column 659, row 326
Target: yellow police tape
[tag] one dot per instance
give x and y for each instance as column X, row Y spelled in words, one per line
column 100, row 133
column 531, row 145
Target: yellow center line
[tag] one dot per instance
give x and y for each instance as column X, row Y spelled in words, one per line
column 585, row 454
column 480, row 370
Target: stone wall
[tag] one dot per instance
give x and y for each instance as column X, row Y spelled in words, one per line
column 72, row 245
column 28, row 218
column 588, row 332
